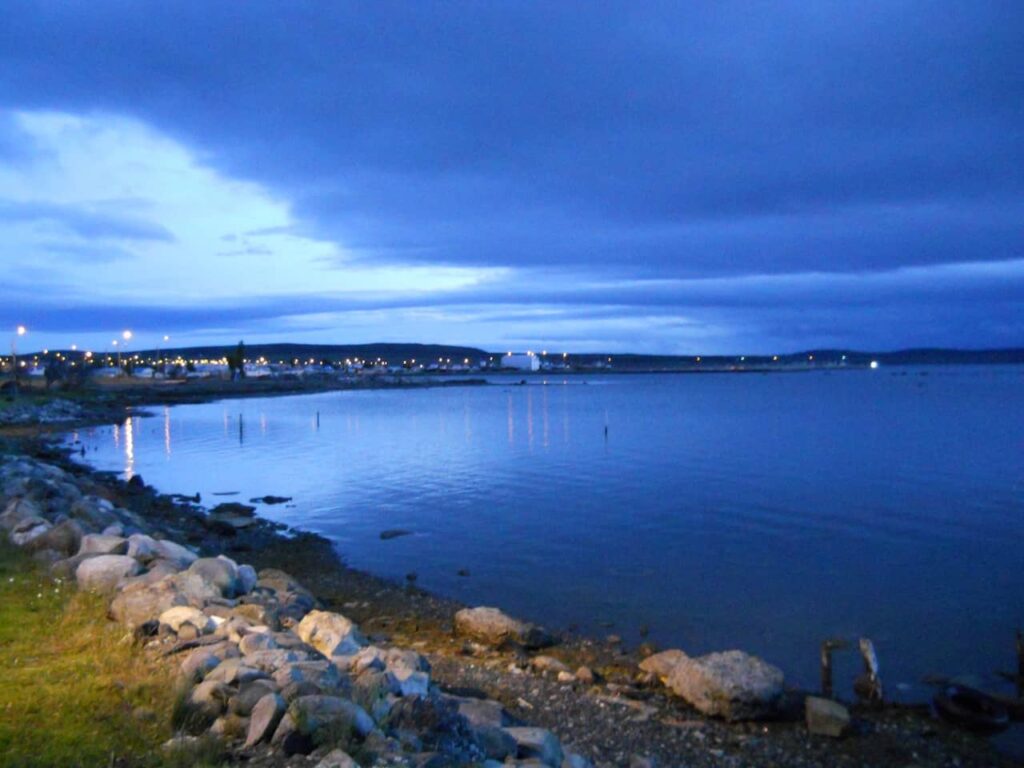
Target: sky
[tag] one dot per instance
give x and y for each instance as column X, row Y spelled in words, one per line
column 681, row 178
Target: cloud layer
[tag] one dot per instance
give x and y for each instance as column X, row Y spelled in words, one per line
column 678, row 177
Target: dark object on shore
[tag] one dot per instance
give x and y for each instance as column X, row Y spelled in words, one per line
column 187, row 499
column 233, row 508
column 869, row 685
column 462, row 572
column 411, row 577
column 135, row 481
column 394, row 533
column 225, row 493
column 827, row 647
column 1020, row 664
column 971, row 709
column 270, row 500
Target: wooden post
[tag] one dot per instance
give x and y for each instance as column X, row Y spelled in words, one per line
column 1020, row 664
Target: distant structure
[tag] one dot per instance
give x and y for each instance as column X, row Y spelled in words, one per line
column 521, row 362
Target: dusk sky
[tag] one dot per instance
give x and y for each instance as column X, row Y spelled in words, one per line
column 691, row 177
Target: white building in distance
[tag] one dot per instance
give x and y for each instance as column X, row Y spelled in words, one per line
column 521, row 362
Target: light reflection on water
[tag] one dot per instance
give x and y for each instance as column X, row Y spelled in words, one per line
column 760, row 512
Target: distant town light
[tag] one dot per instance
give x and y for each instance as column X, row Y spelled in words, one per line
column 22, row 330
column 874, row 364
column 127, row 335
column 74, row 347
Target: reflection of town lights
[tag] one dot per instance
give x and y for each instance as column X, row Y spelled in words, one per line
column 874, row 364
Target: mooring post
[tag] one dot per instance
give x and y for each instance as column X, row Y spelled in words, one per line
column 832, row 644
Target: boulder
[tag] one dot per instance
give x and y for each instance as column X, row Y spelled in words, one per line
column 537, row 744
column 826, row 717
column 210, row 699
column 491, row 626
column 322, row 674
column 246, row 579
column 330, row 633
column 337, row 759
column 169, row 550
column 94, row 513
column 265, row 717
column 235, row 672
column 98, row 544
column 219, row 575
column 143, row 548
column 733, row 685
column 28, row 530
column 17, row 511
column 271, row 661
column 256, row 641
column 104, row 572
column 65, row 538
column 249, row 694
column 310, row 713
column 139, row 602
column 198, row 664
column 179, row 614
column 661, row 664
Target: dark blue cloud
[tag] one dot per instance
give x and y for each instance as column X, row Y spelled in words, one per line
column 624, row 140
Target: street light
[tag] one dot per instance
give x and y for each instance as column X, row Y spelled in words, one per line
column 21, row 330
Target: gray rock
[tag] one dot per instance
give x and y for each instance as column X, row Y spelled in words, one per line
column 256, row 641
column 198, row 664
column 330, row 633
column 104, row 572
column 826, row 717
column 496, row 743
column 235, row 672
column 481, row 712
column 17, row 511
column 248, row 694
column 337, row 759
column 218, row 574
column 246, row 579
column 661, row 664
column 322, row 674
column 28, row 530
column 265, row 718
column 311, row 713
column 138, row 603
column 733, row 685
column 210, row 699
column 181, row 556
column 65, row 538
column 178, row 615
column 537, row 743
column 143, row 548
column 271, row 661
column 491, row 626
column 98, row 544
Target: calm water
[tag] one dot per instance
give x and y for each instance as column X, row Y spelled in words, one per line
column 762, row 512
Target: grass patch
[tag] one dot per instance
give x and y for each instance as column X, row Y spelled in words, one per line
column 75, row 691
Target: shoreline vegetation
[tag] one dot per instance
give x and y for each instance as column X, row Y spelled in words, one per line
column 185, row 636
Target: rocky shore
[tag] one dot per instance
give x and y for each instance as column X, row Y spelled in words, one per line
column 285, row 656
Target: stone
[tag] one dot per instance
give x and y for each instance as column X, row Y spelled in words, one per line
column 322, row 674
column 98, row 544
column 256, row 641
column 104, row 572
column 481, row 712
column 661, row 664
column 337, row 759
column 94, row 512
column 491, row 626
column 826, row 717
column 289, row 739
column 548, row 664
column 65, row 538
column 271, row 661
column 17, row 511
column 178, row 615
column 249, row 694
column 246, row 579
column 28, row 530
column 198, row 664
column 143, row 548
column 330, row 633
column 411, row 682
column 210, row 699
column 139, row 602
column 370, row 657
column 265, row 717
column 496, row 743
column 311, row 713
column 586, row 675
column 219, row 573
column 116, row 529
column 235, row 672
column 229, row 726
column 733, row 685
column 574, row 760
column 537, row 743
column 169, row 550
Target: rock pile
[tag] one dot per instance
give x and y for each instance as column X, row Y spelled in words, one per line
column 261, row 666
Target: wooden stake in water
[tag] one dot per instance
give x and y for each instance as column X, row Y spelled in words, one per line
column 241, row 430
column 1020, row 664
column 826, row 663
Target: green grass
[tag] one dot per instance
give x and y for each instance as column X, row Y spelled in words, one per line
column 74, row 690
